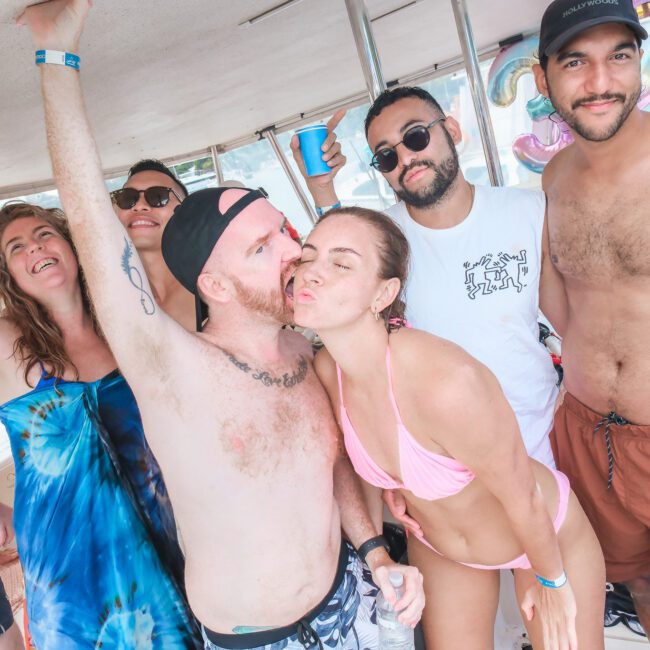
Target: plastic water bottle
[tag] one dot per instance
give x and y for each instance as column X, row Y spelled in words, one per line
column 392, row 634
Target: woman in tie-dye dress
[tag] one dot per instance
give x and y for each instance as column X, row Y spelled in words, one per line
column 95, row 531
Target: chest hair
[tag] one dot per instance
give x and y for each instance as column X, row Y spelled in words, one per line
column 600, row 233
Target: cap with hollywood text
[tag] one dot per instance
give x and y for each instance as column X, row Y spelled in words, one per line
column 563, row 20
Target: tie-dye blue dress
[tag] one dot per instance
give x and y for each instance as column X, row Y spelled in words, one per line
column 93, row 523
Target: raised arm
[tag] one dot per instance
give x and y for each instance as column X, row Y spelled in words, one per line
column 321, row 187
column 136, row 329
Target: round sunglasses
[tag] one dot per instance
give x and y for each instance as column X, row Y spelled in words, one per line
column 416, row 138
column 155, row 196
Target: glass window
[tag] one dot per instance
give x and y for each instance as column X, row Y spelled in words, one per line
column 357, row 183
column 47, row 199
column 50, row 198
column 453, row 93
column 196, row 174
column 256, row 165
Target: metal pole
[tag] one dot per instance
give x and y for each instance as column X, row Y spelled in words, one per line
column 216, row 163
column 477, row 89
column 366, row 47
column 269, row 134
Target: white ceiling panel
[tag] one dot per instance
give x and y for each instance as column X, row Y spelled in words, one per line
column 163, row 77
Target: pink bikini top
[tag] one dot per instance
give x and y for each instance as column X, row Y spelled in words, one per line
column 426, row 474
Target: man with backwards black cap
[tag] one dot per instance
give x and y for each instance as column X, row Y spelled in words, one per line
column 599, row 224
column 241, row 426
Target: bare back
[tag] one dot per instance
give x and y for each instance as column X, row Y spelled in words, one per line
column 600, row 242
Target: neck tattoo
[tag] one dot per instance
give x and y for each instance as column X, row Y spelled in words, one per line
column 286, row 381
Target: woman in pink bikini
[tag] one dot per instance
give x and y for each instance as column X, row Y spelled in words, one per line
column 419, row 415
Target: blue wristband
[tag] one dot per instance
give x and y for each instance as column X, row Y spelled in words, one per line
column 58, row 58
column 320, row 211
column 553, row 584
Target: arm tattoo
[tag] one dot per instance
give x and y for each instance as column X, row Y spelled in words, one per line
column 286, row 381
column 135, row 278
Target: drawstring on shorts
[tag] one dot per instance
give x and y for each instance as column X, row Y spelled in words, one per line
column 307, row 636
column 608, row 420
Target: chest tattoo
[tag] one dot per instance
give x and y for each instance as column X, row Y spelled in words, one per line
column 287, row 380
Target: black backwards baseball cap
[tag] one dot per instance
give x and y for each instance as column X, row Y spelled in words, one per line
column 192, row 233
column 563, row 20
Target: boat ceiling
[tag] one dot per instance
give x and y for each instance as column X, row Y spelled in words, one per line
column 163, row 77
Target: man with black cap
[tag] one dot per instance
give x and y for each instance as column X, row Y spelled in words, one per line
column 242, row 428
column 599, row 225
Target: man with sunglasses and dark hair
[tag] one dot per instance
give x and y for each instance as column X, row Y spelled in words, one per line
column 144, row 206
column 480, row 265
column 598, row 214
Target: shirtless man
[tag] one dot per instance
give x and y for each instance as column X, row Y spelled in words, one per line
column 144, row 206
column 241, row 426
column 599, row 236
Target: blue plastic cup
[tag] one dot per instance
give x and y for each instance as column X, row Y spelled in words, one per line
column 311, row 140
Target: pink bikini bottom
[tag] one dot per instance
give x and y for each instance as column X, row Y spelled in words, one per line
column 521, row 562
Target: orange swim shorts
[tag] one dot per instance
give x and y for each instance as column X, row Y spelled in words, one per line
column 619, row 514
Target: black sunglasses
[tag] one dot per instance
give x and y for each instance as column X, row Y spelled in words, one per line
column 416, row 138
column 156, row 197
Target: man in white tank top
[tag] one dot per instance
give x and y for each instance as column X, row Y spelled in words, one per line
column 480, row 267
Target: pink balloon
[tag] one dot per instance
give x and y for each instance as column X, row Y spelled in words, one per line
column 533, row 154
column 644, row 101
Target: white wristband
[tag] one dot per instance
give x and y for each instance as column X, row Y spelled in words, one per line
column 58, row 58
column 321, row 210
column 553, row 584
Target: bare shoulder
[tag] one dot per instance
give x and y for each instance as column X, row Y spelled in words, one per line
column 324, row 364
column 12, row 382
column 421, row 348
column 8, row 335
column 325, row 368
column 433, row 361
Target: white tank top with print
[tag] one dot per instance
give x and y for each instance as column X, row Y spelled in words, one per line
column 477, row 284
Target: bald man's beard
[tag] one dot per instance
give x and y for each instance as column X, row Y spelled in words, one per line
column 272, row 304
